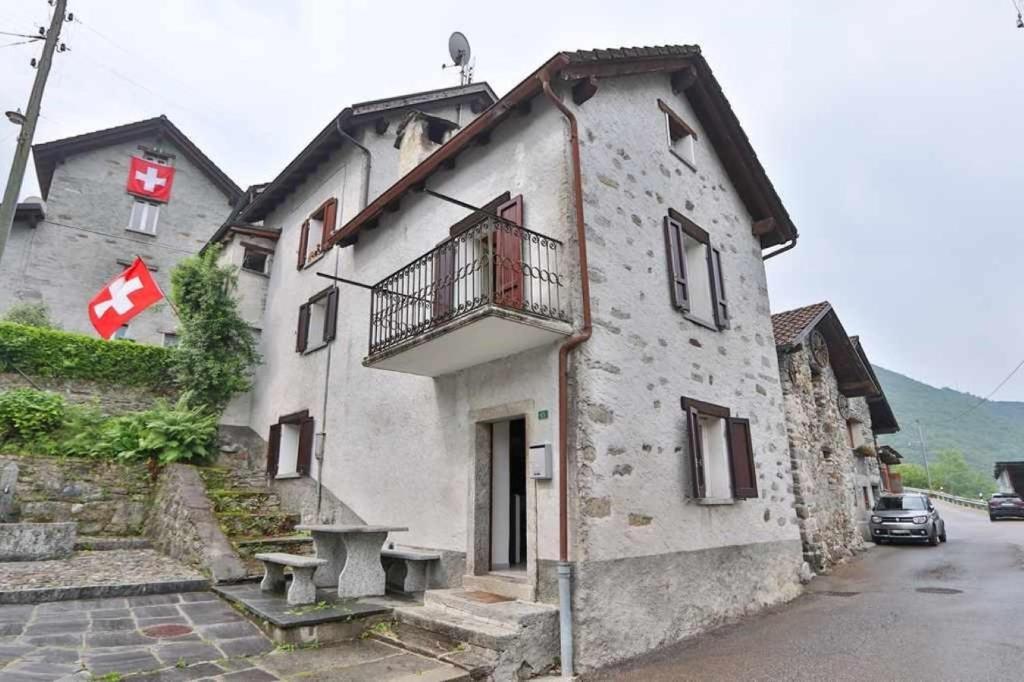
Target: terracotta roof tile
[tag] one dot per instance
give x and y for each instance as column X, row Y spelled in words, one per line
column 790, row 324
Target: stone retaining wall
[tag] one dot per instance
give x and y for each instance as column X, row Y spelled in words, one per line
column 110, row 399
column 104, row 497
column 183, row 525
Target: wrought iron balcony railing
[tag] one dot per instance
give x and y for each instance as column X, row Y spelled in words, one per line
column 494, row 263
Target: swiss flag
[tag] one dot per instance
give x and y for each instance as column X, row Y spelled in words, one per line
column 126, row 296
column 150, row 180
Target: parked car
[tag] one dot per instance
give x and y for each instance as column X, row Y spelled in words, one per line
column 908, row 517
column 1005, row 505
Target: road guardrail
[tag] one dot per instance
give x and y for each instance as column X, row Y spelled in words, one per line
column 952, row 499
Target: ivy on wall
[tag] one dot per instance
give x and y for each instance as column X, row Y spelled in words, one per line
column 60, row 354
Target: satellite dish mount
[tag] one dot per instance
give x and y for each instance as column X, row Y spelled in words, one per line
column 458, row 50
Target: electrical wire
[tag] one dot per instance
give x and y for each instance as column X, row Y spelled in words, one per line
column 21, row 35
column 121, row 237
column 984, row 400
column 20, row 42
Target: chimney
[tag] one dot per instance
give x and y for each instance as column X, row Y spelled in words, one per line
column 418, row 136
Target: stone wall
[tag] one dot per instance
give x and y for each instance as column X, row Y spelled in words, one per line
column 827, row 474
column 109, row 398
column 184, row 526
column 104, row 497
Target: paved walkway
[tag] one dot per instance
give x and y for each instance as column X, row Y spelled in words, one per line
column 114, row 567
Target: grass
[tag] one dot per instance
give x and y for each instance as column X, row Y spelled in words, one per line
column 311, row 608
column 384, row 628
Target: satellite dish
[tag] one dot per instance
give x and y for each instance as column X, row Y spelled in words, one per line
column 458, row 48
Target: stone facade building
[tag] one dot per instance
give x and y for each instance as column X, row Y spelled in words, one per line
column 834, row 409
column 543, row 342
column 87, row 228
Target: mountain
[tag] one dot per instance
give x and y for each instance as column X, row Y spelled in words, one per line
column 992, row 432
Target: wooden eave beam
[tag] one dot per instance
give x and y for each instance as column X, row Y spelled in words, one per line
column 584, row 89
column 684, row 79
column 380, row 126
column 624, row 68
column 762, row 227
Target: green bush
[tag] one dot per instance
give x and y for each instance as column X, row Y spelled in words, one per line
column 30, row 315
column 53, row 353
column 27, row 414
column 165, row 434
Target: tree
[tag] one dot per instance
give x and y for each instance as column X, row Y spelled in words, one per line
column 216, row 351
column 30, row 315
column 950, row 473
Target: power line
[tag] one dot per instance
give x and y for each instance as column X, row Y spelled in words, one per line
column 121, row 237
column 992, row 393
column 19, row 42
column 21, row 35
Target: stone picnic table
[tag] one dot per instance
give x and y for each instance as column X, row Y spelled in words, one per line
column 353, row 557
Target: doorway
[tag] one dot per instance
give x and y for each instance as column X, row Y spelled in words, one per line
column 508, row 496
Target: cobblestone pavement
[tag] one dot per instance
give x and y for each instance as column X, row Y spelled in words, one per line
column 114, row 567
column 125, row 635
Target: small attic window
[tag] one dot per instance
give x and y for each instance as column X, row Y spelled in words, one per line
column 681, row 137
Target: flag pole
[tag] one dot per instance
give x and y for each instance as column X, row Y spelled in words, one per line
column 166, row 297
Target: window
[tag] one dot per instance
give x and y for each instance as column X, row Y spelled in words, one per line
column 695, row 272
column 156, row 157
column 144, row 216
column 853, row 434
column 320, row 224
column 318, row 321
column 255, row 260
column 122, row 333
column 681, row 137
column 170, row 339
column 290, row 446
column 721, row 454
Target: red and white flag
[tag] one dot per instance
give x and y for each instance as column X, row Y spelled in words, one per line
column 150, row 180
column 126, row 296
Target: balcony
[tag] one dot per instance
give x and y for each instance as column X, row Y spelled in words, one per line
column 487, row 293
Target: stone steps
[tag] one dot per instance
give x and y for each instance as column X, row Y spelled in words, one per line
column 247, row 525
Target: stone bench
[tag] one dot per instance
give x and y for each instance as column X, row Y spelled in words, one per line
column 417, row 567
column 302, row 590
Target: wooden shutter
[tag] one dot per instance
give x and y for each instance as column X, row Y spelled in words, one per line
column 676, row 264
column 273, row 449
column 302, row 332
column 303, row 244
column 508, row 256
column 444, row 278
column 330, row 219
column 331, row 316
column 306, row 436
column 696, row 448
column 718, row 289
column 741, row 459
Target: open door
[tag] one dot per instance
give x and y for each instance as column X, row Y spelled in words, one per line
column 508, row 496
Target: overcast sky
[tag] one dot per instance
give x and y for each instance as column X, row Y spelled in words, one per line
column 894, row 132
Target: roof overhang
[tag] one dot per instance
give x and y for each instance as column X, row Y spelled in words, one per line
column 31, row 212
column 48, row 154
column 1015, row 470
column 852, row 376
column 889, row 455
column 690, row 73
column 476, row 95
column 882, row 418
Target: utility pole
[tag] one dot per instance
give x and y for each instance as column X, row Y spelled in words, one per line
column 924, row 453
column 28, row 127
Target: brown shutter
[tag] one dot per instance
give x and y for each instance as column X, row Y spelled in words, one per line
column 676, row 264
column 330, row 221
column 444, row 278
column 331, row 316
column 273, row 449
column 508, row 255
column 305, row 457
column 696, row 448
column 302, row 332
column 303, row 244
column 741, row 459
column 718, row 289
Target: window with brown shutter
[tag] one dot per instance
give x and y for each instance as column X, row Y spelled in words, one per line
column 720, row 453
column 302, row 331
column 303, row 244
column 305, row 454
column 741, row 459
column 508, row 255
column 273, row 449
column 329, row 217
column 676, row 263
column 718, row 290
column 331, row 322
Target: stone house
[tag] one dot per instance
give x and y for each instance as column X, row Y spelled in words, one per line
column 834, row 409
column 545, row 345
column 1009, row 477
column 86, row 228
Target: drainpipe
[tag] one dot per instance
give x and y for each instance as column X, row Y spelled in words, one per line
column 564, row 568
column 321, row 441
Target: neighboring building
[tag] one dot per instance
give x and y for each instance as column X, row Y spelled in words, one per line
column 653, row 457
column 1010, row 477
column 888, row 456
column 834, row 409
column 87, row 228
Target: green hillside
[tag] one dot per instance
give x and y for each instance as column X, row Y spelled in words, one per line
column 992, row 432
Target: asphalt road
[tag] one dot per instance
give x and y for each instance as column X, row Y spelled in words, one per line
column 870, row 620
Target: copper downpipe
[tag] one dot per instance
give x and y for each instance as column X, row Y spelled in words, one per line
column 576, row 339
